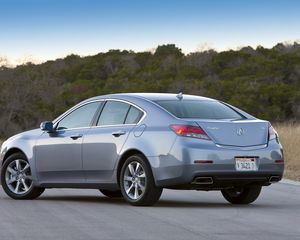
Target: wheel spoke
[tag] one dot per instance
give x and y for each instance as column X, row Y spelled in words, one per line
column 24, row 185
column 12, row 171
column 137, row 167
column 131, row 170
column 26, row 167
column 18, row 165
column 11, row 180
column 136, row 192
column 141, row 187
column 129, row 189
column 142, row 175
column 17, row 187
column 127, row 178
column 28, row 177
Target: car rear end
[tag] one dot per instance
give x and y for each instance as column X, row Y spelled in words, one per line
column 219, row 147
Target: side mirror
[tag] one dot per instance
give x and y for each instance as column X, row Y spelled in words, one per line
column 47, row 126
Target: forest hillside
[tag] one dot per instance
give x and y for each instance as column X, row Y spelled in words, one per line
column 264, row 82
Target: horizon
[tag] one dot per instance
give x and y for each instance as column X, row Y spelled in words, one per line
column 4, row 62
column 38, row 31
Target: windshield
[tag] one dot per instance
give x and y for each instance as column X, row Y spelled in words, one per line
column 199, row 109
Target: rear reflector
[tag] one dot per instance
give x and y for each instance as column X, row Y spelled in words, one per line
column 279, row 161
column 189, row 131
column 203, row 161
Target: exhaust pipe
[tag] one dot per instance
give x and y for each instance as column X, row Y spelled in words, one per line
column 203, row 180
column 274, row 179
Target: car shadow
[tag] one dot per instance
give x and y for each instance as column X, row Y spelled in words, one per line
column 162, row 203
column 81, row 198
column 188, row 204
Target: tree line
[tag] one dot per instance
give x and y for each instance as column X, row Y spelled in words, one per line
column 264, row 81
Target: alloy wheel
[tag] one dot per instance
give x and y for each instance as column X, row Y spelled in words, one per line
column 134, row 180
column 18, row 177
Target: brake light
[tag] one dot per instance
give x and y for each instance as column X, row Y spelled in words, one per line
column 272, row 133
column 189, row 131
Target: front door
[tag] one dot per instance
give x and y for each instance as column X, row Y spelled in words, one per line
column 59, row 154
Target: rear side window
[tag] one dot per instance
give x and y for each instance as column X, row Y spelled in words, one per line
column 134, row 115
column 199, row 109
column 113, row 113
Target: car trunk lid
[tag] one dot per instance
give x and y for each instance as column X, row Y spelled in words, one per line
column 236, row 132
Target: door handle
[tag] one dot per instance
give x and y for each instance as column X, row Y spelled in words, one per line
column 76, row 136
column 118, row 133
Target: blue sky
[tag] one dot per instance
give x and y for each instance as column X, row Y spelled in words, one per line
column 48, row 29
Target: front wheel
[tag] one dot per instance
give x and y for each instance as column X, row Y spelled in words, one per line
column 243, row 195
column 16, row 178
column 137, row 183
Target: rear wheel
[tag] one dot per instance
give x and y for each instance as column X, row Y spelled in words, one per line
column 137, row 183
column 16, row 178
column 243, row 195
column 111, row 194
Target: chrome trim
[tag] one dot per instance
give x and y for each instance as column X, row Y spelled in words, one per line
column 274, row 179
column 203, row 180
column 130, row 103
column 57, row 120
column 69, row 129
column 242, row 148
column 240, row 131
column 116, row 125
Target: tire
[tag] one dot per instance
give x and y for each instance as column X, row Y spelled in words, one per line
column 111, row 194
column 137, row 182
column 16, row 178
column 243, row 195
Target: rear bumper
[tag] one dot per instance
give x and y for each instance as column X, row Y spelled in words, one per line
column 190, row 175
column 217, row 181
column 178, row 170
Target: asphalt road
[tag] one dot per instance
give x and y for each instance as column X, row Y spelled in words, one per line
column 86, row 214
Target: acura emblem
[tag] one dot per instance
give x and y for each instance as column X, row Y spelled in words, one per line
column 240, row 132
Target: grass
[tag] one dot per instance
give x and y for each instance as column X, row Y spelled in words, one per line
column 289, row 135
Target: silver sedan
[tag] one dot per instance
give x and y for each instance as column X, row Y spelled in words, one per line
column 134, row 145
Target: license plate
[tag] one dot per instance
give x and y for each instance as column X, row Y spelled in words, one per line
column 245, row 164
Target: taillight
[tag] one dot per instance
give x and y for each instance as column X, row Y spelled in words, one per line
column 279, row 161
column 189, row 131
column 272, row 133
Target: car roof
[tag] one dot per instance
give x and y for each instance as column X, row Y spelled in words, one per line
column 152, row 96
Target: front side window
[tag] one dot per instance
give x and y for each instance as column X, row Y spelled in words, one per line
column 80, row 117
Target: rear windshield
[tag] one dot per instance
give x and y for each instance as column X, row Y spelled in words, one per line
column 199, row 109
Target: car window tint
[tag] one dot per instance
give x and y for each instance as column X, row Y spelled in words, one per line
column 199, row 109
column 81, row 117
column 113, row 113
column 133, row 116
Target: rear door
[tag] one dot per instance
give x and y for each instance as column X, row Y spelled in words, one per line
column 103, row 142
